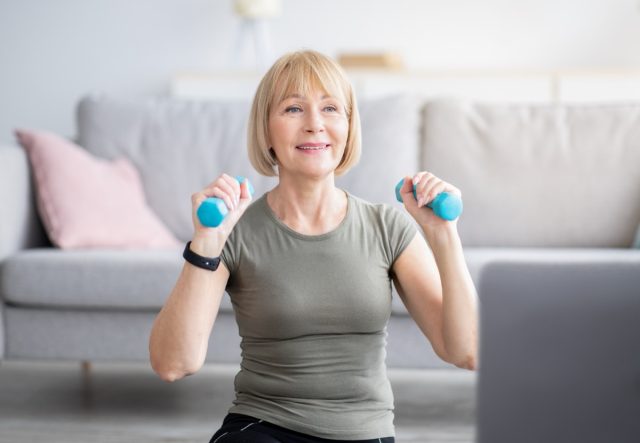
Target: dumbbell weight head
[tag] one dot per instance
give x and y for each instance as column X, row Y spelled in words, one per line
column 213, row 210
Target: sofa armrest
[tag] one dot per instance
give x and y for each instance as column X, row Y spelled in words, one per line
column 20, row 227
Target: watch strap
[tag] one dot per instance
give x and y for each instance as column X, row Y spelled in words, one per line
column 208, row 263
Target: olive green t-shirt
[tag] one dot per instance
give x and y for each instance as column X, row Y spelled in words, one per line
column 312, row 312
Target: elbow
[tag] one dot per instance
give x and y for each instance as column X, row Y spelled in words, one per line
column 466, row 361
column 171, row 371
column 171, row 374
column 470, row 363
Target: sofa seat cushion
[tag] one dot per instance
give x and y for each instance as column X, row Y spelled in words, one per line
column 478, row 258
column 142, row 280
column 92, row 279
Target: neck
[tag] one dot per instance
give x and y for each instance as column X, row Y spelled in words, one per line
column 308, row 206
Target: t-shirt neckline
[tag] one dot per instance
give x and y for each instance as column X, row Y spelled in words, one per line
column 280, row 224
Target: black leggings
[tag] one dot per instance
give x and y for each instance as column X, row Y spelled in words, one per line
column 240, row 428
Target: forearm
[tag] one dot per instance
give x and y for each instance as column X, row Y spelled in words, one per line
column 459, row 298
column 180, row 334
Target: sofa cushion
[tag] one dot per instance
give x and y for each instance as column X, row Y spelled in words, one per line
column 104, row 279
column 478, row 258
column 100, row 335
column 87, row 202
column 180, row 146
column 143, row 279
column 539, row 175
column 93, row 279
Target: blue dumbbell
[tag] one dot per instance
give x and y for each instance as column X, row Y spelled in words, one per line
column 444, row 205
column 213, row 210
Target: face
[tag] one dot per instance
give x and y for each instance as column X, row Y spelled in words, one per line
column 309, row 134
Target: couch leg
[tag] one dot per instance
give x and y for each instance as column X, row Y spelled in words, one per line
column 87, row 396
column 86, row 371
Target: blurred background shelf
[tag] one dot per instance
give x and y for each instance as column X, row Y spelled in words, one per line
column 489, row 85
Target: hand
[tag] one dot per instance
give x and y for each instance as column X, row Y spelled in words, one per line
column 428, row 186
column 235, row 196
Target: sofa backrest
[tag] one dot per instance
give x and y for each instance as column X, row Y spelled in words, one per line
column 539, row 175
column 531, row 174
column 180, row 146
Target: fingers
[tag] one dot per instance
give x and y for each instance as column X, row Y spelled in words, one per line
column 428, row 186
column 235, row 196
column 225, row 188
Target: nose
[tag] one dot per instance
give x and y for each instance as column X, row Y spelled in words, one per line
column 314, row 122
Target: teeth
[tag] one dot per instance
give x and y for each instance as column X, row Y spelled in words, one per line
column 310, row 148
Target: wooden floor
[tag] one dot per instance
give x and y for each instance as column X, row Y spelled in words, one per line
column 58, row 403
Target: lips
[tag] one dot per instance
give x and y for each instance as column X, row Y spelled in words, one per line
column 313, row 146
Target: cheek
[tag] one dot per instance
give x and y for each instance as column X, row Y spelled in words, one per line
column 341, row 130
column 277, row 131
column 287, row 124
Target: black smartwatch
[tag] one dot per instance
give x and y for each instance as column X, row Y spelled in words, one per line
column 208, row 263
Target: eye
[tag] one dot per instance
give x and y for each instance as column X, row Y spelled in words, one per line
column 331, row 108
column 293, row 109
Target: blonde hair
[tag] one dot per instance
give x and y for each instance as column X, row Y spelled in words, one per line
column 299, row 73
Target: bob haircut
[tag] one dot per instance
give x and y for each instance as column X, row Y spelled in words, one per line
column 300, row 72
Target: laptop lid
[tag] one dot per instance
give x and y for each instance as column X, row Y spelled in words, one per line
column 559, row 352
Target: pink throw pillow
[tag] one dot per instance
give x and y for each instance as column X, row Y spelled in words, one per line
column 88, row 202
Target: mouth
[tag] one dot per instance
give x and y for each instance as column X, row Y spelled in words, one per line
column 313, row 147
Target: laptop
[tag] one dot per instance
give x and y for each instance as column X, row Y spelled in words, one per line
column 559, row 352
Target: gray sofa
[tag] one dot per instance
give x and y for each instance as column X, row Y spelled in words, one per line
column 543, row 183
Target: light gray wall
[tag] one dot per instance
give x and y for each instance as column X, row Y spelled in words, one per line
column 52, row 52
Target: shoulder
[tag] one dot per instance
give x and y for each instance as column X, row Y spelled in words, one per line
column 381, row 213
column 392, row 228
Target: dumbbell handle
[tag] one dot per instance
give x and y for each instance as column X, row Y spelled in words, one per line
column 213, row 210
column 445, row 205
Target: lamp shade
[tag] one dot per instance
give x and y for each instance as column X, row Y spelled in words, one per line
column 258, row 9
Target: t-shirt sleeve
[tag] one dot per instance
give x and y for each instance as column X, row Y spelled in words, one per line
column 401, row 229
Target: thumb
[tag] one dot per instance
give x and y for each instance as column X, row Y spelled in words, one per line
column 244, row 189
column 245, row 195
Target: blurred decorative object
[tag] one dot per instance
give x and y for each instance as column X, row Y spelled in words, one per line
column 255, row 28
column 383, row 60
column 257, row 9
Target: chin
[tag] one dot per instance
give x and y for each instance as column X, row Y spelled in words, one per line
column 319, row 175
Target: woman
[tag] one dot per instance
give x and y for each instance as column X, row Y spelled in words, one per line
column 308, row 267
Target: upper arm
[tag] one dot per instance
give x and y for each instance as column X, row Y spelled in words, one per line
column 417, row 280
